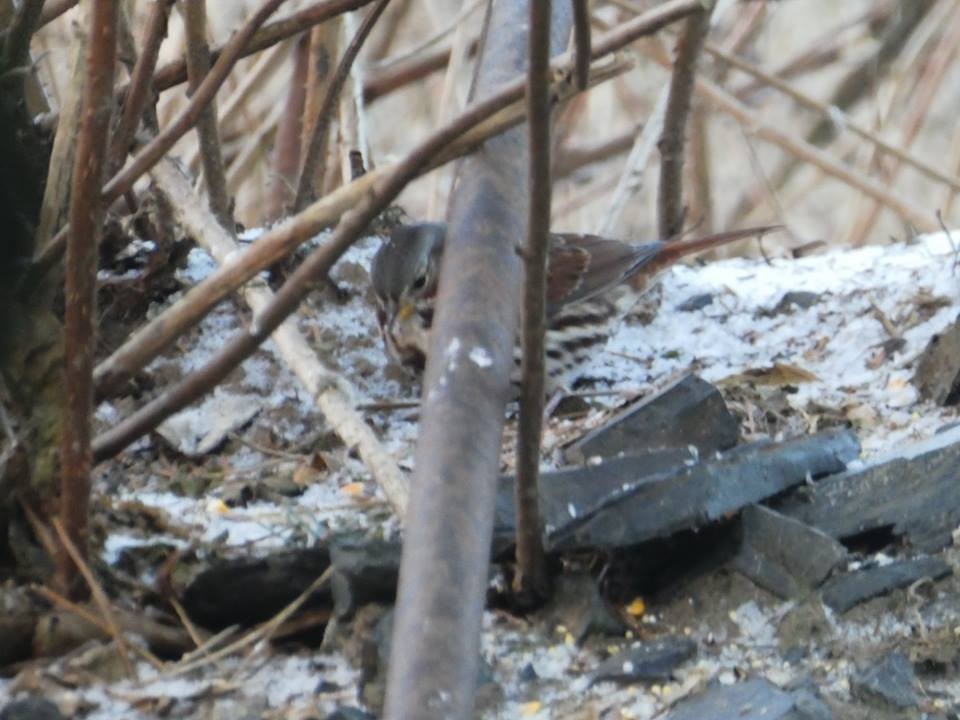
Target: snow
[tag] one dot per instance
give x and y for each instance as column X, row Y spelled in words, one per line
column 911, row 287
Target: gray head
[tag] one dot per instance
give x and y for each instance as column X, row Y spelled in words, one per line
column 406, row 265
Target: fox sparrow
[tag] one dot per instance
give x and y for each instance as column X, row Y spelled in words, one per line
column 592, row 282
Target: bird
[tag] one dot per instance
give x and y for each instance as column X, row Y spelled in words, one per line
column 592, row 283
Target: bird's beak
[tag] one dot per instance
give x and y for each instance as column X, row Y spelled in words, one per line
column 405, row 310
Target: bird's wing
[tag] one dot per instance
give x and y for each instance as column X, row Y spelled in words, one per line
column 581, row 266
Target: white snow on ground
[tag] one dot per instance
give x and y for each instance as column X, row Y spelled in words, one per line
column 836, row 340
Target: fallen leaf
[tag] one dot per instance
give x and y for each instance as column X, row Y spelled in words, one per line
column 777, row 374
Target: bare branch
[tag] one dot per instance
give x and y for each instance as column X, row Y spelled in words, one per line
column 581, row 40
column 858, row 83
column 926, row 89
column 837, row 116
column 673, row 139
column 208, row 132
column 330, row 391
column 175, row 72
column 286, row 147
column 300, row 283
column 278, row 242
column 314, row 151
column 387, row 77
column 86, row 212
column 138, row 92
column 54, row 9
column 921, row 217
column 16, row 42
column 204, row 94
column 531, row 580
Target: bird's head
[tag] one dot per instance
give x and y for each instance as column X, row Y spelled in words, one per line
column 404, row 279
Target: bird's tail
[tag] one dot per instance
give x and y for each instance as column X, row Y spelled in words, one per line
column 677, row 249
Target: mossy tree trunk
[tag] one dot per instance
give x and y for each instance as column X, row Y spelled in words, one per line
column 31, row 357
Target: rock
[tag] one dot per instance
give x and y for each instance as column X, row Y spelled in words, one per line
column 912, row 494
column 690, row 412
column 846, row 591
column 783, row 555
column 696, row 302
column 33, row 708
column 200, row 430
column 889, row 684
column 794, row 299
column 755, row 699
column 647, row 661
column 937, row 376
column 808, row 705
column 630, row 500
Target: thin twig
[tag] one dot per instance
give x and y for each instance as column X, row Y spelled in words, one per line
column 138, row 92
column 700, row 171
column 330, row 391
column 86, row 213
column 859, row 82
column 347, row 231
column 16, row 41
column 275, row 244
column 313, row 160
column 99, row 596
column 204, row 94
column 531, row 580
column 254, row 147
column 175, row 72
column 570, row 158
column 448, row 104
column 581, row 40
column 286, row 147
column 631, row 177
column 796, row 148
column 53, row 9
column 163, row 141
column 926, row 89
column 390, row 75
column 58, row 600
column 262, row 632
column 325, row 43
column 56, row 193
column 208, row 132
column 843, row 120
column 673, row 139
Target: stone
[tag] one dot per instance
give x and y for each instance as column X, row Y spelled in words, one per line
column 846, row 591
column 646, row 661
column 696, row 302
column 889, row 684
column 630, row 500
column 911, row 493
column 689, row 413
column 783, row 555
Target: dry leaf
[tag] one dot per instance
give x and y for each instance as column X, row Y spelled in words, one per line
column 777, row 374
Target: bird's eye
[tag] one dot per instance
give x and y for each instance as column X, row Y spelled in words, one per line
column 420, row 282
